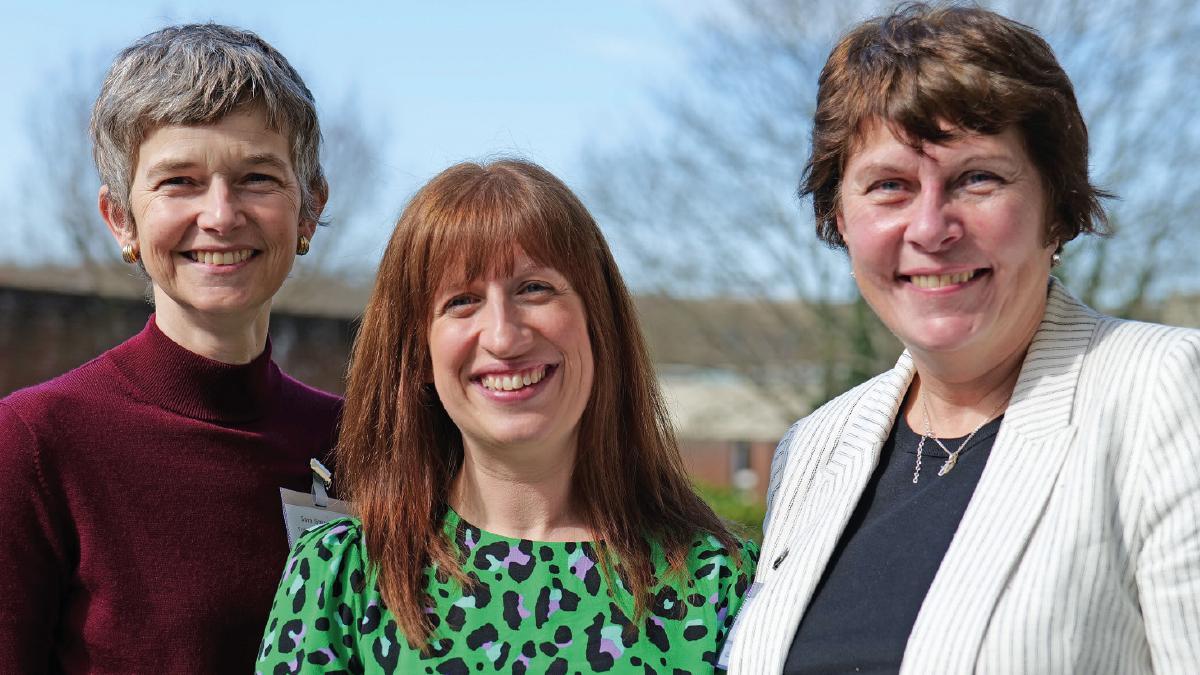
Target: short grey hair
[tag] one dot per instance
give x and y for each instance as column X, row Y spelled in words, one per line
column 196, row 74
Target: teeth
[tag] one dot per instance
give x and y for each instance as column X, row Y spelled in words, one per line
column 221, row 258
column 940, row 280
column 515, row 381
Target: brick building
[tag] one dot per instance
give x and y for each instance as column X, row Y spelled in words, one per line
column 52, row 320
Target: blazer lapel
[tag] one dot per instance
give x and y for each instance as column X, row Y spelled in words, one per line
column 804, row 533
column 1021, row 472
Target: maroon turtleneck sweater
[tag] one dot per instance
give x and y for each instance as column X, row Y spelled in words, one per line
column 140, row 523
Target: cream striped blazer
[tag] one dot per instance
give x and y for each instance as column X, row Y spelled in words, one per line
column 1080, row 549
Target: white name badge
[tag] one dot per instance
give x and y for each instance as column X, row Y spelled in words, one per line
column 301, row 511
column 723, row 660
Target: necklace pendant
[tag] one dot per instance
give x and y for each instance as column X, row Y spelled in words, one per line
column 950, row 462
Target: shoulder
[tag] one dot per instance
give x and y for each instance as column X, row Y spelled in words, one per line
column 42, row 456
column 717, row 580
column 336, row 540
column 1121, row 339
column 825, row 425
column 1151, row 374
column 865, row 412
column 874, row 400
column 1138, row 400
column 81, row 384
column 712, row 562
column 44, row 411
column 320, row 599
column 312, row 417
column 1130, row 363
column 299, row 394
column 311, row 411
column 326, row 554
column 707, row 549
column 1130, row 351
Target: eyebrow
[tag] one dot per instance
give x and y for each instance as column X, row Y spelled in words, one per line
column 168, row 166
column 987, row 157
column 173, row 165
column 529, row 267
column 877, row 167
column 449, row 284
column 884, row 166
column 266, row 159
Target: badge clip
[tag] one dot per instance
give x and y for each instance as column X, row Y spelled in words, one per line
column 304, row 511
column 322, row 479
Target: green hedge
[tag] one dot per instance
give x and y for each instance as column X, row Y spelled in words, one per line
column 745, row 513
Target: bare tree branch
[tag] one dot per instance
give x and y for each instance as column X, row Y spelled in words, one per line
column 59, row 187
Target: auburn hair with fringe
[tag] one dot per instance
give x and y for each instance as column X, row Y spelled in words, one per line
column 399, row 451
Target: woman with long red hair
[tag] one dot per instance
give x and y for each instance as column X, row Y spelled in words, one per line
column 520, row 499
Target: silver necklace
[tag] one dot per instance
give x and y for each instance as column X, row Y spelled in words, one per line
column 951, row 457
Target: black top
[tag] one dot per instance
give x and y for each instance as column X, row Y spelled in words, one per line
column 867, row 601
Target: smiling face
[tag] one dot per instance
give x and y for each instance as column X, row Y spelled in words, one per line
column 511, row 358
column 948, row 246
column 216, row 215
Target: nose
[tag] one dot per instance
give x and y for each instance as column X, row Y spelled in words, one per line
column 935, row 224
column 503, row 331
column 218, row 208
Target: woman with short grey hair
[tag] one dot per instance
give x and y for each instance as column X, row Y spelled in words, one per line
column 142, row 508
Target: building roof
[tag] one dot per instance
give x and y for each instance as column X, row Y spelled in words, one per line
column 329, row 297
column 718, row 405
column 704, row 332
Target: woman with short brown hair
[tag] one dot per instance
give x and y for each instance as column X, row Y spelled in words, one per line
column 1020, row 493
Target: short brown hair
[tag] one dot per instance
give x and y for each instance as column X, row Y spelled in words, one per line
column 920, row 68
column 399, row 450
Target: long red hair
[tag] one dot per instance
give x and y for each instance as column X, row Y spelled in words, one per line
column 399, row 451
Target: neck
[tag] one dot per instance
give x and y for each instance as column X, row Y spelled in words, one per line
column 527, row 496
column 964, row 389
column 234, row 339
column 960, row 400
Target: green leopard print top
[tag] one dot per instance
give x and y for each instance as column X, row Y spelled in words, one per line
column 537, row 607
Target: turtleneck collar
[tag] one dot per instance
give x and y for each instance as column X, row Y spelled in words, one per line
column 163, row 373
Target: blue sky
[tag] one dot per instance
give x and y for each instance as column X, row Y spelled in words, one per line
column 444, row 81
column 440, row 82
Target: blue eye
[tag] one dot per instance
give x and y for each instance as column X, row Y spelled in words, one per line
column 976, row 177
column 536, row 287
column 460, row 305
column 886, row 185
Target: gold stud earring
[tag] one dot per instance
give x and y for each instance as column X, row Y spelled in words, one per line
column 130, row 254
column 302, row 245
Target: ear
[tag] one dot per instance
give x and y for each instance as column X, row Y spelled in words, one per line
column 118, row 221
column 319, row 198
column 307, row 229
column 841, row 224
